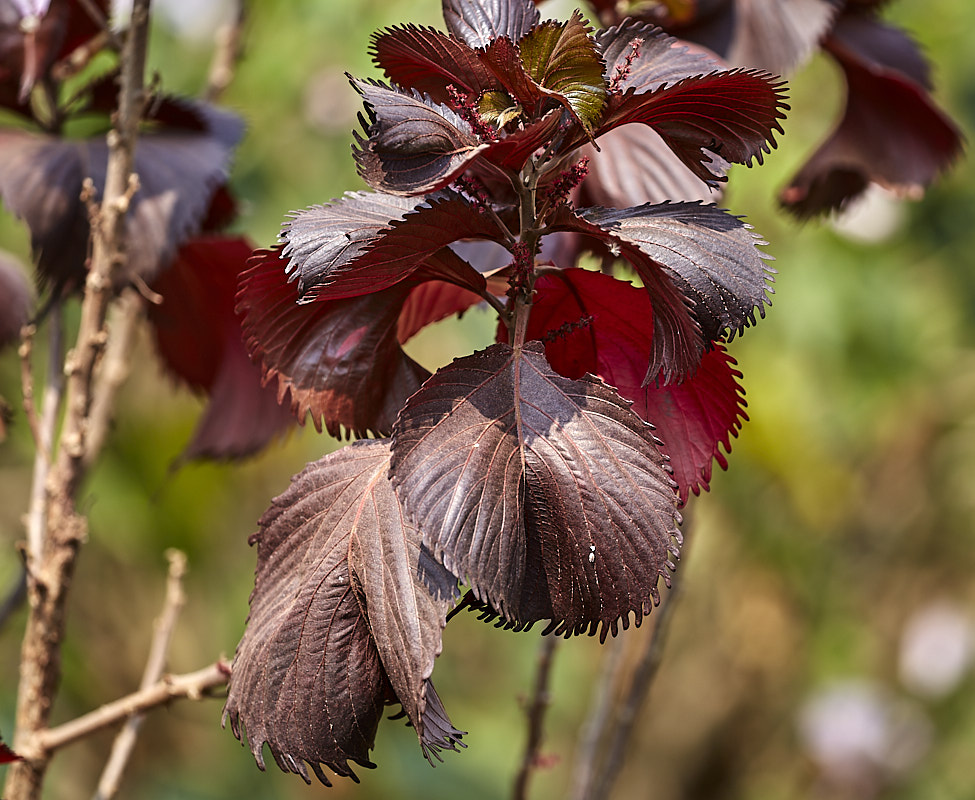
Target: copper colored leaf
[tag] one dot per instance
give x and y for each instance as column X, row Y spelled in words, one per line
column 430, row 302
column 562, row 59
column 15, row 301
column 179, row 170
column 310, row 676
column 592, row 322
column 413, row 145
column 199, row 339
column 892, row 133
column 548, row 495
column 333, row 264
column 479, row 22
column 340, row 360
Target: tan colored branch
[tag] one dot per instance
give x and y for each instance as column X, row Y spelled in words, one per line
column 226, row 55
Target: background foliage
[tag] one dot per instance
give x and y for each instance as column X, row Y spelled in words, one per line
column 848, row 508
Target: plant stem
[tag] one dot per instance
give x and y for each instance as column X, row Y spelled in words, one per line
column 50, row 578
column 536, row 717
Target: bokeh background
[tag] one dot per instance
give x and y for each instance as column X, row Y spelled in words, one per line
column 823, row 643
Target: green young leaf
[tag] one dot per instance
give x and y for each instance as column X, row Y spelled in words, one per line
column 563, row 58
column 498, row 108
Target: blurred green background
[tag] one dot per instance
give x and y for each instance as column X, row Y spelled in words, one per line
column 842, row 535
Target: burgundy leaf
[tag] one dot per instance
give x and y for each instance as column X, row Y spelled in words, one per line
column 710, row 255
column 413, row 146
column 635, row 166
column 513, row 150
column 479, row 22
column 548, row 495
column 310, row 676
column 31, row 37
column 431, row 302
column 179, row 171
column 592, row 322
column 15, row 301
column 200, row 340
column 339, row 359
column 367, row 259
column 891, row 133
column 429, row 61
column 731, row 114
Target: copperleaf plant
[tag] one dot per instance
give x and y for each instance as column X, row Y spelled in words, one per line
column 546, row 472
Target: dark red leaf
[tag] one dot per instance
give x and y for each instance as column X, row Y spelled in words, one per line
column 479, row 22
column 340, row 359
column 6, row 754
column 709, row 256
column 344, row 251
column 428, row 61
column 331, row 639
column 891, row 133
column 413, row 146
column 200, row 340
column 179, row 170
column 592, row 322
column 15, row 301
column 431, row 302
column 548, row 495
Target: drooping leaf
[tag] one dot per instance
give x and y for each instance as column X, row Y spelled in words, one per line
column 340, row 360
column 562, row 58
column 199, row 339
column 892, row 133
column 709, row 254
column 479, row 22
column 413, row 145
column 406, row 592
column 548, row 495
column 311, row 674
column 592, row 322
column 15, row 301
column 428, row 61
column 341, row 251
column 179, row 170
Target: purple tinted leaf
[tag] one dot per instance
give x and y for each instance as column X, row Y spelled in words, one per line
column 635, row 166
column 709, row 254
column 15, row 301
column 733, row 114
column 179, row 171
column 479, row 22
column 891, row 133
column 428, row 61
column 413, row 146
column 548, row 495
column 339, row 359
column 777, row 36
column 333, row 264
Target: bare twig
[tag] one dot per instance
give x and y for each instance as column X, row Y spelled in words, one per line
column 43, row 429
column 191, row 686
column 50, row 578
column 114, row 370
column 25, row 352
column 155, row 664
column 536, row 717
column 226, row 54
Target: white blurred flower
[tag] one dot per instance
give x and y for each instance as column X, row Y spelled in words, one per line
column 873, row 217
column 937, row 650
